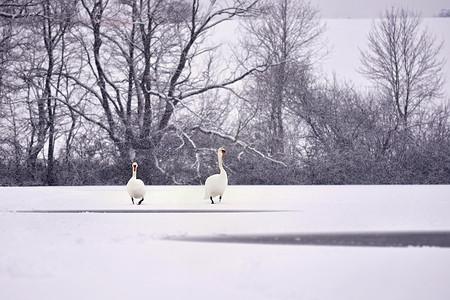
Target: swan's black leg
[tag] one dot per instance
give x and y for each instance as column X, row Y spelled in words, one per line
column 139, row 203
column 132, row 200
column 212, row 201
column 220, row 198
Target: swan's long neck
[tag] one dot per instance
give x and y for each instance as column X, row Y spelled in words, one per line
column 134, row 172
column 219, row 157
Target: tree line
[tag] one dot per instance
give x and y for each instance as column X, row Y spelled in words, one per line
column 89, row 86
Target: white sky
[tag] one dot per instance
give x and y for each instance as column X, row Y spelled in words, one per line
column 346, row 37
column 371, row 9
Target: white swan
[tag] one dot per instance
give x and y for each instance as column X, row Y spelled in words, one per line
column 136, row 187
column 215, row 185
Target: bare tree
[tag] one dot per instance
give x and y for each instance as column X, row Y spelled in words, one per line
column 19, row 73
column 58, row 17
column 286, row 36
column 403, row 59
column 33, row 50
column 147, row 60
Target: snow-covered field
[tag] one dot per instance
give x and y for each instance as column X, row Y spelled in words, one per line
column 91, row 243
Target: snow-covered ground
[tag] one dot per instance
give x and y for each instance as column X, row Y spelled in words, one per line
column 111, row 249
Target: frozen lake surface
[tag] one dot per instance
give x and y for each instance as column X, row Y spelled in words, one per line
column 261, row 242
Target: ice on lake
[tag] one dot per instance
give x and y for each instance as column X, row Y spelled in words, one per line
column 92, row 243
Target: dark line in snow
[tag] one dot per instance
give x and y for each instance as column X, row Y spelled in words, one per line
column 145, row 211
column 355, row 239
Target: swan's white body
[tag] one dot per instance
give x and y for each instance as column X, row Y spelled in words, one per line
column 136, row 187
column 216, row 184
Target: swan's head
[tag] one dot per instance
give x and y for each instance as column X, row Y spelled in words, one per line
column 135, row 166
column 221, row 151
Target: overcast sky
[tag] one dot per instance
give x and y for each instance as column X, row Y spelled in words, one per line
column 371, row 9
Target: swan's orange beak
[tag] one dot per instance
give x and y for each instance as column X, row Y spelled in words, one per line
column 223, row 152
column 134, row 168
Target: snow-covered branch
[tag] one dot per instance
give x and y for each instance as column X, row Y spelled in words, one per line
column 239, row 142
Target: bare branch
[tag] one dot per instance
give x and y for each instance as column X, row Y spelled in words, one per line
column 237, row 141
